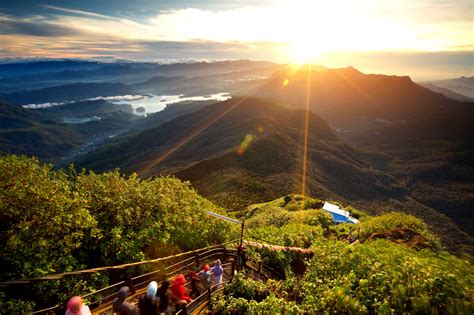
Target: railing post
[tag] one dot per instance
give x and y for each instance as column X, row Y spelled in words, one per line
column 209, row 297
column 232, row 271
column 197, row 261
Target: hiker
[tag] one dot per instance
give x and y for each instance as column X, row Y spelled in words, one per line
column 205, row 275
column 166, row 298
column 120, row 306
column 177, row 288
column 149, row 303
column 193, row 276
column 76, row 306
column 217, row 272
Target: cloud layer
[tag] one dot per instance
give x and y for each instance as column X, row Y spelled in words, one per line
column 240, row 30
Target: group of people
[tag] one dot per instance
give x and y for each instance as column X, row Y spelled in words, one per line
column 167, row 299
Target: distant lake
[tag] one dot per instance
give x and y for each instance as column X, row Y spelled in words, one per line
column 155, row 103
column 150, row 103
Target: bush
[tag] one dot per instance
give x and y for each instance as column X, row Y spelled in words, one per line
column 272, row 216
column 381, row 276
column 394, row 220
column 370, row 278
column 313, row 217
column 59, row 221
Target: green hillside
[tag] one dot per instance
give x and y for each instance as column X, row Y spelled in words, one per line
column 379, row 273
column 57, row 221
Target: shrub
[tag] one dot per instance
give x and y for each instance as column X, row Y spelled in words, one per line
column 394, row 220
column 312, row 217
column 59, row 221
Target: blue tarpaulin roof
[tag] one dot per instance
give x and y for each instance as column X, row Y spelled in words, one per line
column 339, row 215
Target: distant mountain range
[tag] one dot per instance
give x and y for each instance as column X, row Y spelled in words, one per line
column 462, row 85
column 238, row 76
column 36, row 75
column 447, row 92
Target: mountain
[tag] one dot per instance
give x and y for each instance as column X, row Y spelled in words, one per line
column 447, row 92
column 201, row 79
column 248, row 150
column 43, row 66
column 24, row 132
column 422, row 138
column 15, row 77
column 68, row 92
column 54, row 133
column 461, row 85
column 351, row 100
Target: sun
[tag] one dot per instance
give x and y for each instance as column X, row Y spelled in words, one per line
column 306, row 30
column 303, row 50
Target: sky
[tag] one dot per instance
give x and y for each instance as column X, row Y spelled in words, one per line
column 372, row 33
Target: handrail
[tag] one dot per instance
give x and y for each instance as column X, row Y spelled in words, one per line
column 199, row 256
column 105, row 268
column 202, row 253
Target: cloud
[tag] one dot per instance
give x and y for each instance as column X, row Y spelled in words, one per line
column 250, row 30
column 79, row 12
column 34, row 27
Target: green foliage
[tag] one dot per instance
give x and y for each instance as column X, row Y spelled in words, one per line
column 59, row 221
column 370, row 278
column 293, row 234
column 275, row 216
column 247, row 296
column 15, row 306
column 313, row 217
column 381, row 276
column 43, row 220
column 394, row 220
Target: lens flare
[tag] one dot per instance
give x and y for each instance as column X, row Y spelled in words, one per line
column 244, row 145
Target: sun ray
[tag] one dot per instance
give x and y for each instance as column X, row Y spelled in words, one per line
column 306, row 134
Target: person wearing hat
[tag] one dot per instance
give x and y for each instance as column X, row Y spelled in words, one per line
column 120, row 306
column 180, row 294
column 76, row 306
column 148, row 304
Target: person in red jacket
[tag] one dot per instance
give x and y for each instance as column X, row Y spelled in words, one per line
column 178, row 289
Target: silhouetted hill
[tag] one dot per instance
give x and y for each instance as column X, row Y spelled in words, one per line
column 349, row 99
column 249, row 150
